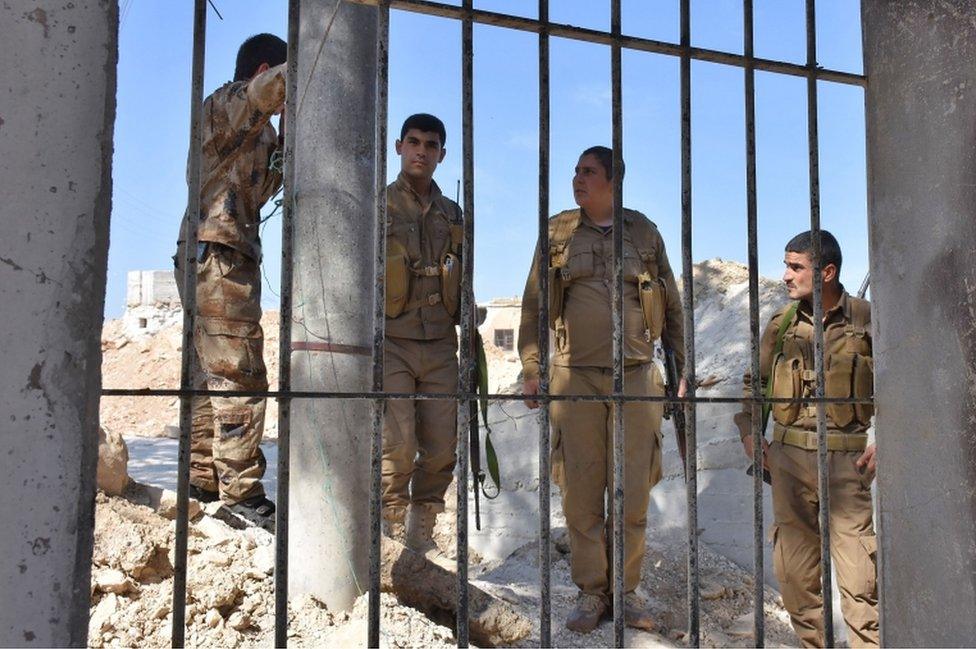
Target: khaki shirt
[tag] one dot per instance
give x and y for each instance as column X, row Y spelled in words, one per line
column 798, row 340
column 425, row 231
column 586, row 340
column 236, row 178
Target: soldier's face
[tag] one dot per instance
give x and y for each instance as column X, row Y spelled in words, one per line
column 798, row 275
column 591, row 187
column 420, row 152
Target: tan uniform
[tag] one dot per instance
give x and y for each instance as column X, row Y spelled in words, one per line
column 423, row 285
column 848, row 368
column 237, row 180
column 582, row 432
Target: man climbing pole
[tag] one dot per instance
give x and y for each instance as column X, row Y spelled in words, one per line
column 423, row 288
column 239, row 175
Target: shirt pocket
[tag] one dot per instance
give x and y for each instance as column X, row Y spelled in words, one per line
column 579, row 263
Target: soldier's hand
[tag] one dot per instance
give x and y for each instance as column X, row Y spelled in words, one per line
column 531, row 387
column 747, row 447
column 868, row 459
column 682, row 388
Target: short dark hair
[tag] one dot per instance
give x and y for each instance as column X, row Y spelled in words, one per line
column 605, row 156
column 829, row 248
column 426, row 123
column 258, row 49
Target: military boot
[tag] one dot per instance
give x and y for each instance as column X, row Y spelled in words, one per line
column 637, row 612
column 420, row 528
column 393, row 523
column 587, row 613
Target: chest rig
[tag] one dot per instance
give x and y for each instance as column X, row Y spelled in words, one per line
column 564, row 268
column 848, row 369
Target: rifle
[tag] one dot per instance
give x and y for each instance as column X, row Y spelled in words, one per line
column 479, row 384
column 675, row 411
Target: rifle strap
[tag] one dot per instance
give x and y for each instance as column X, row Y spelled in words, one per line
column 491, row 458
column 784, row 324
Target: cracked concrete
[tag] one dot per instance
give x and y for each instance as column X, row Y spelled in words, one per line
column 55, row 161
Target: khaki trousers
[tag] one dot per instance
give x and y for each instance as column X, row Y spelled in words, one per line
column 225, row 455
column 582, row 462
column 796, row 539
column 419, row 437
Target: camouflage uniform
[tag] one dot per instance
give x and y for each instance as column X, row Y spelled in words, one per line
column 237, row 180
column 423, row 285
column 792, row 459
column 582, row 432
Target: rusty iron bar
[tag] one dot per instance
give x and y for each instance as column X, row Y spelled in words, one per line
column 688, row 302
column 561, row 30
column 758, row 558
column 379, row 317
column 188, row 360
column 617, row 312
column 545, row 548
column 284, row 332
column 466, row 396
column 818, row 332
column 465, row 360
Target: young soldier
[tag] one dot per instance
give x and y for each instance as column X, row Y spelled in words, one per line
column 237, row 179
column 423, row 284
column 581, row 286
column 786, row 358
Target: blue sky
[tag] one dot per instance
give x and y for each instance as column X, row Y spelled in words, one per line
column 152, row 127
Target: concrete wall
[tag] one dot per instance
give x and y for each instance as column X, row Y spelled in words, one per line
column 57, row 109
column 921, row 126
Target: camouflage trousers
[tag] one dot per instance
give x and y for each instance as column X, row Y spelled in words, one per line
column 229, row 346
column 796, row 541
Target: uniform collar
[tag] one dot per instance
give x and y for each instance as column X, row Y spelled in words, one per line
column 585, row 218
column 404, row 185
column 843, row 307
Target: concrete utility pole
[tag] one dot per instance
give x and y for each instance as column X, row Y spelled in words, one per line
column 333, row 279
column 57, row 111
column 921, row 126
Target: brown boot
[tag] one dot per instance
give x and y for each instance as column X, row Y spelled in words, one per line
column 637, row 612
column 393, row 523
column 420, row 528
column 586, row 614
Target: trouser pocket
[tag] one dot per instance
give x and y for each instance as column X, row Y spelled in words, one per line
column 556, row 461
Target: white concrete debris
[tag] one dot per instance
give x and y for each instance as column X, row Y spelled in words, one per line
column 113, row 458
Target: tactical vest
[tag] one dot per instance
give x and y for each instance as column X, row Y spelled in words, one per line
column 400, row 271
column 562, row 270
column 848, row 371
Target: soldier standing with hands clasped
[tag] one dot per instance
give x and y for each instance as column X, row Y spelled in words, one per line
column 581, row 295
column 787, row 359
column 423, row 288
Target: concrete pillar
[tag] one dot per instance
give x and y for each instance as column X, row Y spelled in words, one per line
column 921, row 126
column 57, row 110
column 333, row 279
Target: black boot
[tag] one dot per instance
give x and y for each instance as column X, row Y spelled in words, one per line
column 257, row 510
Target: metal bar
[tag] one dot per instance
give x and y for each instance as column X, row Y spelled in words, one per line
column 188, row 361
column 441, row 396
column 465, row 363
column 545, row 548
column 818, row 332
column 758, row 558
column 617, row 312
column 379, row 317
column 562, row 30
column 284, row 332
column 688, row 302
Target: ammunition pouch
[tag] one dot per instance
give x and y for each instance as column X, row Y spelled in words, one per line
column 652, row 300
column 450, row 273
column 397, row 278
column 787, row 378
column 556, row 293
column 849, row 376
